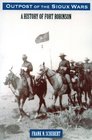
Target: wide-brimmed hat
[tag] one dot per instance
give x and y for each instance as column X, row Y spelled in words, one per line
column 80, row 62
column 87, row 59
column 62, row 54
column 24, row 56
column 72, row 61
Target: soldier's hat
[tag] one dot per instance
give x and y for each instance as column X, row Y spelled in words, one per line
column 72, row 61
column 24, row 56
column 62, row 54
column 87, row 59
column 80, row 62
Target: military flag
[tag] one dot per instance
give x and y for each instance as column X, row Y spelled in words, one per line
column 42, row 38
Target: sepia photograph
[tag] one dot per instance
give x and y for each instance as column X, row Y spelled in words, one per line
column 46, row 69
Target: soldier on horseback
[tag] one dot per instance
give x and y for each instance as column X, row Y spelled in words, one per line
column 72, row 65
column 87, row 65
column 64, row 69
column 27, row 68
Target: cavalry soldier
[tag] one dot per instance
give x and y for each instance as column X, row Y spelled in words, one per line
column 64, row 69
column 87, row 65
column 27, row 67
column 72, row 65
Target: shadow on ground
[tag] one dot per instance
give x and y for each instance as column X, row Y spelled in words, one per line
column 10, row 129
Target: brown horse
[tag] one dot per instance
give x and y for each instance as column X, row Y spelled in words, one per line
column 19, row 88
column 85, row 85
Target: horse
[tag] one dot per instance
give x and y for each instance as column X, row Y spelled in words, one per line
column 88, row 86
column 56, row 81
column 20, row 89
column 40, row 88
column 76, row 87
column 85, row 84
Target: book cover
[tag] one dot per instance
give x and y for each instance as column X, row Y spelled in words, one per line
column 36, row 35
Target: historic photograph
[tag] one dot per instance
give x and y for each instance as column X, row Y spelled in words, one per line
column 46, row 71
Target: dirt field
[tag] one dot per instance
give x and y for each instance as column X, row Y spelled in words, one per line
column 10, row 129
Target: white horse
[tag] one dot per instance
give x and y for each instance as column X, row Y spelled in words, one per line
column 56, row 80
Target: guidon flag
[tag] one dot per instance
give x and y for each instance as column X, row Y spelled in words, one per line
column 42, row 38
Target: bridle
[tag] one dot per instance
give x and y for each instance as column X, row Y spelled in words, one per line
column 50, row 75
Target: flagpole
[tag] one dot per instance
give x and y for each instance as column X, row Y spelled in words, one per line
column 43, row 38
column 50, row 58
column 42, row 48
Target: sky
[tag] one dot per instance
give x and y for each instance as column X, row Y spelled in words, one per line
column 17, row 37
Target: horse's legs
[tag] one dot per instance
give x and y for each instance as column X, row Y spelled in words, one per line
column 54, row 98
column 20, row 117
column 69, row 96
column 60, row 101
column 40, row 104
column 79, row 96
column 43, row 102
column 90, row 97
column 18, row 100
column 85, row 92
column 22, row 112
column 55, row 95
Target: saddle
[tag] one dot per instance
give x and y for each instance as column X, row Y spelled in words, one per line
column 62, row 73
column 24, row 76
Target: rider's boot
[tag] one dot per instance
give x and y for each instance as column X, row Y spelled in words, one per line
column 67, row 76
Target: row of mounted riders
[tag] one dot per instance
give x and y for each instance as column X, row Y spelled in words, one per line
column 81, row 83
